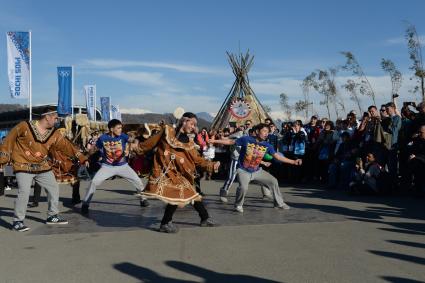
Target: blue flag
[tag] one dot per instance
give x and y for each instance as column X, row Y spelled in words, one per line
column 105, row 106
column 65, row 90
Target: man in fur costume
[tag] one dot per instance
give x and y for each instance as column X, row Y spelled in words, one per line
column 27, row 147
column 66, row 172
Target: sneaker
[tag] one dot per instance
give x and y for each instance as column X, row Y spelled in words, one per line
column 7, row 188
column 32, row 205
column 239, row 208
column 56, row 220
column 144, row 203
column 168, row 228
column 209, row 223
column 75, row 201
column 223, row 194
column 85, row 209
column 284, row 206
column 19, row 226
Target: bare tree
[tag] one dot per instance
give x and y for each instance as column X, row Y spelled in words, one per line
column 415, row 54
column 395, row 75
column 321, row 85
column 353, row 65
column 351, row 86
column 284, row 104
column 306, row 85
column 302, row 106
column 337, row 100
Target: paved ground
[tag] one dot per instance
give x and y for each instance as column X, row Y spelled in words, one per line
column 325, row 237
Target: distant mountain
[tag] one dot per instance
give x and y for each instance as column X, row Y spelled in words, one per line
column 206, row 116
column 155, row 118
column 10, row 107
column 204, row 119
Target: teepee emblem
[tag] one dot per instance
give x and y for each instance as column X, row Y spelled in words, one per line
column 240, row 109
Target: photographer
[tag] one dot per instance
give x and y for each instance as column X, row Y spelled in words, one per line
column 368, row 132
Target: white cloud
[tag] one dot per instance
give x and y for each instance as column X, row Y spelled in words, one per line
column 185, row 68
column 143, row 78
column 268, row 91
column 162, row 102
column 278, row 115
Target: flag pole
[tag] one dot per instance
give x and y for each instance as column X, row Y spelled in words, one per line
column 95, row 103
column 72, row 91
column 30, row 78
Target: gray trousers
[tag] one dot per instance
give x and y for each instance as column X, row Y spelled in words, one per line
column 106, row 172
column 47, row 181
column 260, row 177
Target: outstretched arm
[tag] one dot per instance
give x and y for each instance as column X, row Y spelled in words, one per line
column 65, row 146
column 205, row 165
column 223, row 141
column 283, row 159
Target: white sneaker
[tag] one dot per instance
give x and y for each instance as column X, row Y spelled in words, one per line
column 283, row 206
column 223, row 195
column 239, row 208
column 7, row 188
column 223, row 199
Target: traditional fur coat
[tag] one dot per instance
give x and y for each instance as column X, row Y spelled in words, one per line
column 174, row 168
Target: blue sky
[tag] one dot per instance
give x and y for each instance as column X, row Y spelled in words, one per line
column 158, row 55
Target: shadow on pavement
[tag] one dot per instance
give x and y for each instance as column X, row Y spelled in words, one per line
column 394, row 279
column 409, row 244
column 8, row 212
column 148, row 275
column 409, row 258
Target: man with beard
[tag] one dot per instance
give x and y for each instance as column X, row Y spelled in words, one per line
column 27, row 147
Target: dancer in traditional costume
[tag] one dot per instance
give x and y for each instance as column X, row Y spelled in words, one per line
column 66, row 172
column 27, row 147
column 174, row 170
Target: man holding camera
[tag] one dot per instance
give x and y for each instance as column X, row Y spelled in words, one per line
column 393, row 129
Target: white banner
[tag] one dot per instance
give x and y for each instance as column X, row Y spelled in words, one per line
column 90, row 93
column 19, row 63
column 115, row 112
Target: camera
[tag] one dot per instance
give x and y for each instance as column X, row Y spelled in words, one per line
column 409, row 103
